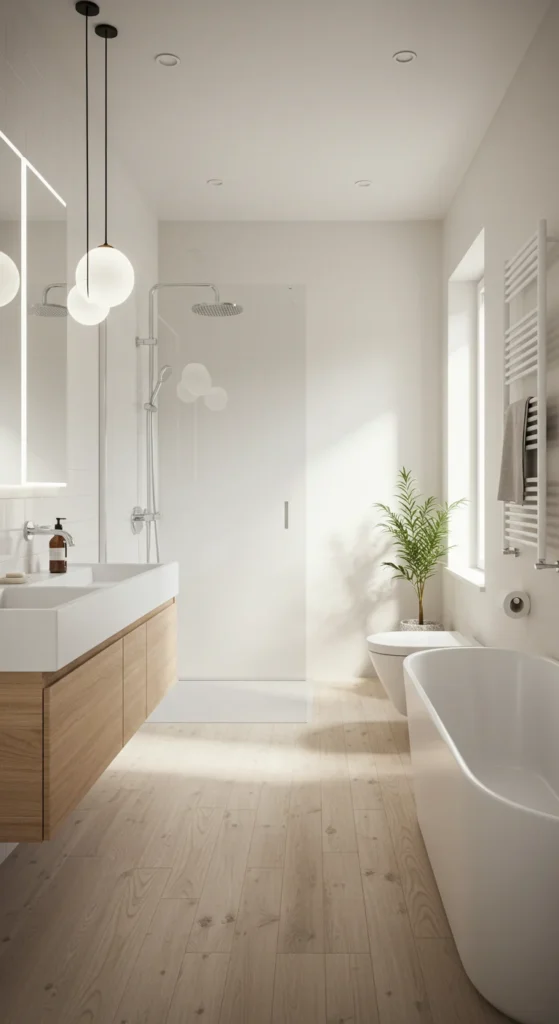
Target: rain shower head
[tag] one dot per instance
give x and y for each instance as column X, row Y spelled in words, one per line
column 46, row 308
column 217, row 309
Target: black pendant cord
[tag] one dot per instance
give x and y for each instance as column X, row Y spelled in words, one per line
column 106, row 32
column 106, row 142
column 87, row 152
column 88, row 9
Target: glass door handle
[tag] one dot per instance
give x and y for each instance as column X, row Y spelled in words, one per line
column 286, row 515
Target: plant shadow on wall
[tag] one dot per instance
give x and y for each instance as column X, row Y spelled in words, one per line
column 366, row 587
column 419, row 531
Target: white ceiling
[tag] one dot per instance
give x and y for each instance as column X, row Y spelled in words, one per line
column 291, row 101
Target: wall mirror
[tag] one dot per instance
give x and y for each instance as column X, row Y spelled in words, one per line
column 10, row 316
column 33, row 325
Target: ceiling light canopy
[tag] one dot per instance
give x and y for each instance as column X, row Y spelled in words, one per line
column 404, row 56
column 167, row 60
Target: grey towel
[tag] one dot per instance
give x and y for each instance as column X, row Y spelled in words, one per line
column 512, row 483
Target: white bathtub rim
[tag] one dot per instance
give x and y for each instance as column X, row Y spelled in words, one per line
column 445, row 735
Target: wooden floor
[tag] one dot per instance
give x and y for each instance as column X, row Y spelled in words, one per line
column 239, row 875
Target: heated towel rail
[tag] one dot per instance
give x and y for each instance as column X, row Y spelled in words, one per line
column 526, row 356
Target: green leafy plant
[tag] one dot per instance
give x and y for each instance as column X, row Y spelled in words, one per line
column 420, row 532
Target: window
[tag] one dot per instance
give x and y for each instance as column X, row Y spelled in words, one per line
column 466, row 412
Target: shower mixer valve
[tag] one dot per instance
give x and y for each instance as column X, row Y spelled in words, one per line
column 140, row 516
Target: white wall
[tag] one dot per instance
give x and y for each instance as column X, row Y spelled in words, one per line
column 373, row 357
column 41, row 111
column 513, row 181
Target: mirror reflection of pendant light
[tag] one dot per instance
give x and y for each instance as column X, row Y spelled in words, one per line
column 80, row 307
column 111, row 274
column 9, row 279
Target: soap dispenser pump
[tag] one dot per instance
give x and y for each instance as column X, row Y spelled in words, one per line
column 58, row 550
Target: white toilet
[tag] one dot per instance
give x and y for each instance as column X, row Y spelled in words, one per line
column 387, row 652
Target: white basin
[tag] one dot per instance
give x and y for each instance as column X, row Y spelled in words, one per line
column 39, row 597
column 52, row 620
column 95, row 575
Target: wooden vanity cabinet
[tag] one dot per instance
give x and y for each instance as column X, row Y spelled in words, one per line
column 60, row 731
column 82, row 732
column 161, row 655
column 134, row 693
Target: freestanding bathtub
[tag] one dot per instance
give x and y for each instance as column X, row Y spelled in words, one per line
column 484, row 737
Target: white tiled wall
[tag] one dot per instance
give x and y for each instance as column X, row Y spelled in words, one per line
column 41, row 111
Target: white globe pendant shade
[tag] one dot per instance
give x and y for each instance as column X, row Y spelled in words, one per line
column 111, row 276
column 83, row 310
column 9, row 279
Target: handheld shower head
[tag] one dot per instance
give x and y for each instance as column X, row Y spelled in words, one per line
column 216, row 309
column 164, row 374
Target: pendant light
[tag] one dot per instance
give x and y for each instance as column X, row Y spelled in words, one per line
column 105, row 274
column 9, row 279
column 80, row 306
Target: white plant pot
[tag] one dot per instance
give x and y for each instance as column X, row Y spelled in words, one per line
column 412, row 625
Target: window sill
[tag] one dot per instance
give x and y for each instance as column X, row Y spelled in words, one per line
column 474, row 576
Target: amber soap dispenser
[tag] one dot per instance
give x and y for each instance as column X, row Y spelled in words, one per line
column 58, row 550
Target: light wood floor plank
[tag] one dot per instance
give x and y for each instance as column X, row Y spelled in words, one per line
column 111, row 945
column 139, row 817
column 451, row 994
column 299, row 992
column 400, row 986
column 221, row 895
column 250, row 978
column 150, row 988
column 363, row 775
column 424, row 904
column 44, row 949
column 302, row 906
column 29, row 871
column 305, row 769
column 338, row 828
column 350, row 989
column 192, row 853
column 267, row 849
column 199, row 991
column 345, row 923
column 253, row 752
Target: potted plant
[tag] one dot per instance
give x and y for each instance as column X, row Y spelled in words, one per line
column 420, row 531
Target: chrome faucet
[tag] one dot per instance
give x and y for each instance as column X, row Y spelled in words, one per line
column 30, row 531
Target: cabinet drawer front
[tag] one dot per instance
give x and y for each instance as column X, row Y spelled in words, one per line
column 161, row 655
column 21, row 761
column 135, row 668
column 82, row 732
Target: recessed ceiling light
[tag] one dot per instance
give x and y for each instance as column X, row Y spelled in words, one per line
column 167, row 60
column 404, row 56
column 215, row 181
column 363, row 183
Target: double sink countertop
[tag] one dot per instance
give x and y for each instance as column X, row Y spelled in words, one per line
column 51, row 620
